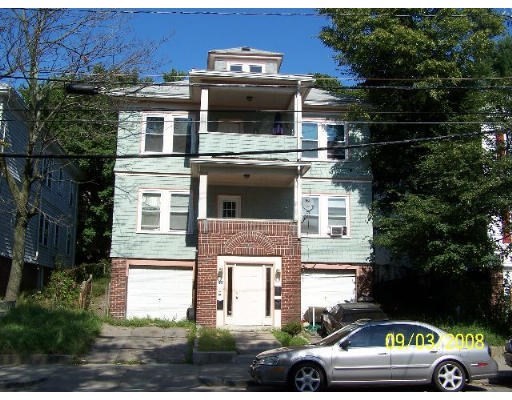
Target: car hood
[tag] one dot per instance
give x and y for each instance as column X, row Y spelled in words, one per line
column 283, row 350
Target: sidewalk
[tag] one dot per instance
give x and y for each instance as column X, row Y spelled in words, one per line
column 148, row 358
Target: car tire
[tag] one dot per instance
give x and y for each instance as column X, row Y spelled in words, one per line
column 307, row 377
column 449, row 376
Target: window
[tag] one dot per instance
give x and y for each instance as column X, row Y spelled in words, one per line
column 253, row 68
column 44, row 229
column 167, row 134
column 236, row 67
column 163, row 211
column 335, row 137
column 310, row 140
column 321, row 135
column 229, row 207
column 256, row 68
column 322, row 213
column 154, row 135
column 56, row 236
column 370, row 336
column 150, row 220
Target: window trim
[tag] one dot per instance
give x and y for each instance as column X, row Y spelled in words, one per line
column 246, row 66
column 323, row 155
column 323, row 216
column 165, row 211
column 168, row 132
column 224, row 197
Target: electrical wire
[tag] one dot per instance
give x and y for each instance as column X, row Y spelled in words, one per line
column 239, row 153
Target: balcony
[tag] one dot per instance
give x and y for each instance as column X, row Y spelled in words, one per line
column 251, row 122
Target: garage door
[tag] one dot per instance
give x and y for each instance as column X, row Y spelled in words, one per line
column 324, row 289
column 159, row 293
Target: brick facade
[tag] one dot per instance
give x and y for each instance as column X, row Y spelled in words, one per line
column 247, row 238
column 118, row 288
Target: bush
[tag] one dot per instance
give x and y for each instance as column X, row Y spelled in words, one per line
column 211, row 339
column 292, row 328
column 61, row 292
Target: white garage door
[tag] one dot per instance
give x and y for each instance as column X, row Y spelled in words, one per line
column 325, row 289
column 159, row 293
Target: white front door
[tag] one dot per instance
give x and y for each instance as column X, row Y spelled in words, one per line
column 248, row 295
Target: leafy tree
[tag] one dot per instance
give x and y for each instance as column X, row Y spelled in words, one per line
column 174, row 75
column 36, row 44
column 433, row 200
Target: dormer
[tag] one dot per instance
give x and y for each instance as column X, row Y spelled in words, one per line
column 244, row 59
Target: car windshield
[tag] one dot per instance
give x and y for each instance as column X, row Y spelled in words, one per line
column 337, row 335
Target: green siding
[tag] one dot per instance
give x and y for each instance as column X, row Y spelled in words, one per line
column 353, row 249
column 126, row 242
column 218, row 142
column 257, row 202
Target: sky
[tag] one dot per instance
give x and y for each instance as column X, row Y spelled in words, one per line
column 191, row 36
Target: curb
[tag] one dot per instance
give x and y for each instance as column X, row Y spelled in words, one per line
column 223, row 381
column 36, row 359
column 22, row 384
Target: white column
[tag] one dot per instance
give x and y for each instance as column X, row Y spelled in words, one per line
column 298, row 201
column 297, row 115
column 203, row 185
column 203, row 114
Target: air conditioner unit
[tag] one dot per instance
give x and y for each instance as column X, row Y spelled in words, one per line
column 338, row 230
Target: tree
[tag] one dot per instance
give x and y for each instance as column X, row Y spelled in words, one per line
column 36, row 45
column 424, row 70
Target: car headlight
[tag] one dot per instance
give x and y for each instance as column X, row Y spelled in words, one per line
column 268, row 361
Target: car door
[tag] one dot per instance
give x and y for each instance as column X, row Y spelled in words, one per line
column 414, row 348
column 362, row 356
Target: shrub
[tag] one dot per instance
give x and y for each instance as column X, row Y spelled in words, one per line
column 211, row 339
column 292, row 328
column 61, row 292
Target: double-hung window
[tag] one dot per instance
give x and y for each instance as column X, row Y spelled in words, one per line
column 330, row 137
column 324, row 215
column 163, row 211
column 166, row 133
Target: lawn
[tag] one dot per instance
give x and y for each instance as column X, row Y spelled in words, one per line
column 32, row 329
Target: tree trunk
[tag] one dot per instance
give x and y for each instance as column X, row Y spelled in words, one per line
column 18, row 257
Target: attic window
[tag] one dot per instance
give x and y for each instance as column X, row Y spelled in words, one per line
column 252, row 68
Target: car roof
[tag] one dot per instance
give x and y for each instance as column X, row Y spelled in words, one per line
column 359, row 306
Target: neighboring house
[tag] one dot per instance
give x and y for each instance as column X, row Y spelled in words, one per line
column 243, row 239
column 501, row 229
column 50, row 237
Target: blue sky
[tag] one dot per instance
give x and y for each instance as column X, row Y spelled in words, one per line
column 192, row 36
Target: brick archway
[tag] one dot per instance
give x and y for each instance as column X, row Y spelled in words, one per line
column 249, row 244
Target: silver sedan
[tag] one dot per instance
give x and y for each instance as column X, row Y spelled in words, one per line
column 379, row 353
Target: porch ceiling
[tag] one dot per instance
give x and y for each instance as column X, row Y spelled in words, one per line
column 240, row 172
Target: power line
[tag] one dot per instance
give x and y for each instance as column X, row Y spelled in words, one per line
column 263, row 13
column 239, row 153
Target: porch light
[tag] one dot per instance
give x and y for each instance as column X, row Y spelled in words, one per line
column 278, row 275
column 219, row 275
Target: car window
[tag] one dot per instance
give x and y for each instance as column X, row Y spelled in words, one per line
column 370, row 336
column 336, row 336
column 413, row 335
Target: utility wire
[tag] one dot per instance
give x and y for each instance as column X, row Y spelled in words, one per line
column 239, row 153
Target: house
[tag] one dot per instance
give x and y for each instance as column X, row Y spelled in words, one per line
column 51, row 233
column 229, row 200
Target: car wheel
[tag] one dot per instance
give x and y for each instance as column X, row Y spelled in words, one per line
column 307, row 377
column 449, row 376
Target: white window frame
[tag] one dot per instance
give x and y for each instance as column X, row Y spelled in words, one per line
column 231, row 198
column 323, row 215
column 322, row 139
column 246, row 66
column 165, row 211
column 168, row 133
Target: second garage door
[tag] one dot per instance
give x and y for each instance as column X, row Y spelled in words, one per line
column 325, row 289
column 163, row 293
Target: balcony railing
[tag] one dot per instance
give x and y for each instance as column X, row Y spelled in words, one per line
column 251, row 122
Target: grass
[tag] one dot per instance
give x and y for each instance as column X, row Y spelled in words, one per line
column 288, row 340
column 139, row 322
column 211, row 339
column 32, row 329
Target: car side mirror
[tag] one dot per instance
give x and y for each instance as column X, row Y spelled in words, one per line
column 344, row 344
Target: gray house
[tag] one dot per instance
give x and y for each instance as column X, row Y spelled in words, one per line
column 51, row 233
column 237, row 206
